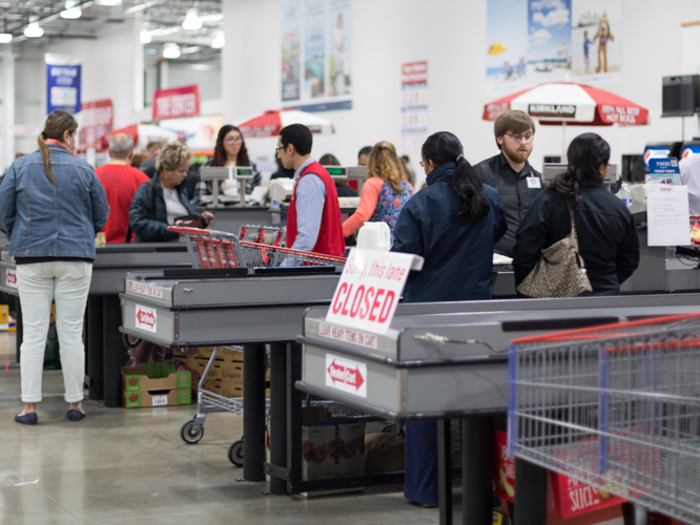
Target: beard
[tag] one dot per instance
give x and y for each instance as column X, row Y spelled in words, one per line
column 518, row 155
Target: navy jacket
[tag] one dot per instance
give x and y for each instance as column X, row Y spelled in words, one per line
column 155, row 230
column 458, row 257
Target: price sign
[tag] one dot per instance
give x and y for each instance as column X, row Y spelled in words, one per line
column 369, row 289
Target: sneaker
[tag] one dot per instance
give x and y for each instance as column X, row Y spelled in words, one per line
column 27, row 419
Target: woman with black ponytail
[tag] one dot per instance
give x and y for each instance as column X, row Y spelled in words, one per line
column 607, row 236
column 453, row 224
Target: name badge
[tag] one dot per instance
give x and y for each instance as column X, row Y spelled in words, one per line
column 534, row 183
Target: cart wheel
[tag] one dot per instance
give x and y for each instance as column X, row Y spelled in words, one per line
column 235, row 453
column 188, row 435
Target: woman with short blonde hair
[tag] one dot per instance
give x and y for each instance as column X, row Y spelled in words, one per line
column 384, row 193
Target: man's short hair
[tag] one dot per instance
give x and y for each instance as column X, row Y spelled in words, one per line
column 298, row 136
column 512, row 121
column 120, row 145
column 364, row 151
column 155, row 144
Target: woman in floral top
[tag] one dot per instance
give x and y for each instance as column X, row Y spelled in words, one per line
column 384, row 193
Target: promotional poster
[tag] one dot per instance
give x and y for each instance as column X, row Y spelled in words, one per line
column 62, row 83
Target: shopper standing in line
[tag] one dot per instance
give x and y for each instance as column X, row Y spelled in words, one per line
column 384, row 193
column 51, row 207
column 230, row 150
column 510, row 173
column 159, row 203
column 453, row 224
column 120, row 181
column 328, row 159
column 313, row 220
column 607, row 236
column 149, row 165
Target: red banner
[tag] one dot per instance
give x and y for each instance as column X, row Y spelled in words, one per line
column 98, row 119
column 176, row 102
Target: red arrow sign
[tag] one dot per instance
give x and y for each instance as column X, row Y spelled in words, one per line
column 11, row 278
column 146, row 318
column 350, row 376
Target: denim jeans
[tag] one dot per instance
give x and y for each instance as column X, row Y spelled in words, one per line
column 66, row 283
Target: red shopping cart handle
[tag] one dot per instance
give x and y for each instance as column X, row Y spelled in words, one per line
column 195, row 231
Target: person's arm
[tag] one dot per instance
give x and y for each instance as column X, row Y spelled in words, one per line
column 8, row 203
column 627, row 258
column 502, row 224
column 255, row 181
column 100, row 207
column 368, row 203
column 530, row 238
column 310, row 199
column 408, row 233
column 147, row 230
column 201, row 190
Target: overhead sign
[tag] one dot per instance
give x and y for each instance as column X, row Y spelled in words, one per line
column 346, row 375
column 146, row 319
column 369, row 289
column 176, row 102
column 559, row 111
column 62, row 83
column 98, row 119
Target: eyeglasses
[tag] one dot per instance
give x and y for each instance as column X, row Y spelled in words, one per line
column 278, row 148
column 519, row 138
column 233, row 141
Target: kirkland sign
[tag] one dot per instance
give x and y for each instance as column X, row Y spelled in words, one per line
column 552, row 110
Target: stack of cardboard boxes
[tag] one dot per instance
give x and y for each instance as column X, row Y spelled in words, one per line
column 155, row 384
column 226, row 374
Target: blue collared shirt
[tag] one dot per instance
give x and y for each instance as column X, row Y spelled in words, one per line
column 310, row 199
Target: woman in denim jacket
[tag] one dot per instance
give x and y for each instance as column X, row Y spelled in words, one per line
column 51, row 207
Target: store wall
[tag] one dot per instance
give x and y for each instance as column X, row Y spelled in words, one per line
column 451, row 35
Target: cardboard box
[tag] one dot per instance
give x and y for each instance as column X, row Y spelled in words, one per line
column 224, row 369
column 157, row 398
column 332, row 449
column 566, row 497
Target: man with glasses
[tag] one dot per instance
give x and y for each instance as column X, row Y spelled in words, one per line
column 313, row 219
column 510, row 173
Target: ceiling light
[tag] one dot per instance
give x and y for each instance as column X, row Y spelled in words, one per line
column 171, row 51
column 192, row 21
column 108, row 2
column 146, row 37
column 33, row 30
column 72, row 11
column 219, row 41
column 5, row 38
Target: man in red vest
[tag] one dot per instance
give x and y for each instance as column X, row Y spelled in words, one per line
column 313, row 220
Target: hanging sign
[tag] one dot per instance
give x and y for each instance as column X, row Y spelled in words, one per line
column 62, row 83
column 370, row 288
column 98, row 119
column 178, row 102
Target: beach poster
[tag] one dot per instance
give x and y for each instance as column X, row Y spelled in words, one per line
column 314, row 48
column 291, row 49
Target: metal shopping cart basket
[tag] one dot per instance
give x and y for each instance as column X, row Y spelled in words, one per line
column 615, row 406
column 220, row 250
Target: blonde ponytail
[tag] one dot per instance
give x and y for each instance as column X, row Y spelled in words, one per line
column 55, row 127
column 385, row 164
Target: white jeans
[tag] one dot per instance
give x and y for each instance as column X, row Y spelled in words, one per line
column 66, row 283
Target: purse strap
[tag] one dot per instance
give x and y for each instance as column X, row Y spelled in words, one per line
column 151, row 214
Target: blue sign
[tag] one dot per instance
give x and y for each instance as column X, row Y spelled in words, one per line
column 63, row 87
column 666, row 170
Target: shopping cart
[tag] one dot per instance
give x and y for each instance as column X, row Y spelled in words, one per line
column 220, row 250
column 615, row 406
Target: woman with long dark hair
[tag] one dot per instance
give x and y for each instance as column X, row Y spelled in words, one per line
column 230, row 150
column 454, row 225
column 607, row 236
column 51, row 207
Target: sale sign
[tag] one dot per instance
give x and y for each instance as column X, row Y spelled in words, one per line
column 146, row 319
column 98, row 118
column 347, row 375
column 176, row 103
column 369, row 289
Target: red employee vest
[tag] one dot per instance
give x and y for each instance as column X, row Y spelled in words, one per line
column 330, row 239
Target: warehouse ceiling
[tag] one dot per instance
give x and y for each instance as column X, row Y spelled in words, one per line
column 162, row 23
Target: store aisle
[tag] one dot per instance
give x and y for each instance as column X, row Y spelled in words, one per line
column 130, row 466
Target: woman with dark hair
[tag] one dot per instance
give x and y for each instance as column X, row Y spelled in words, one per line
column 607, row 236
column 51, row 207
column 454, row 225
column 230, row 150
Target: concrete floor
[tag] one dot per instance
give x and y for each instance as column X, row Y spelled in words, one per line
column 130, row 466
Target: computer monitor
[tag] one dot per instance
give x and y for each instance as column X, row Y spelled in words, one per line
column 633, row 168
column 680, row 96
column 689, row 149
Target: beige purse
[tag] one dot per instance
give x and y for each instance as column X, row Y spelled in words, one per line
column 560, row 272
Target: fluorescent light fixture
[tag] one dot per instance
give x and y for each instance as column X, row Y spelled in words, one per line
column 171, row 50
column 108, row 2
column 33, row 30
column 72, row 11
column 146, row 37
column 192, row 21
column 219, row 40
column 5, row 38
